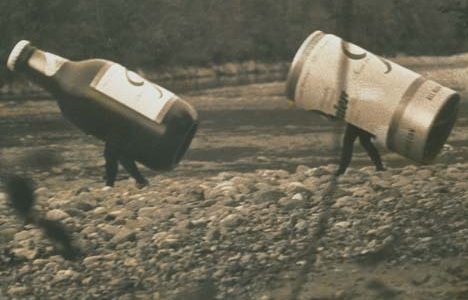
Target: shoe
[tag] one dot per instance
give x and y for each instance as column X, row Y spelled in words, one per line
column 339, row 173
column 141, row 184
column 110, row 184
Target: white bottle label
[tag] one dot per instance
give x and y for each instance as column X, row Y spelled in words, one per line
column 133, row 91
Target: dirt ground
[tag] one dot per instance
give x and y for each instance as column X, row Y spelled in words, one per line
column 242, row 129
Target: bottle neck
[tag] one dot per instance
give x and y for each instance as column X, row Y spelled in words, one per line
column 38, row 62
column 39, row 66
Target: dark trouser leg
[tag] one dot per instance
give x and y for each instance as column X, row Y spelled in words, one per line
column 371, row 151
column 347, row 151
column 132, row 169
column 112, row 165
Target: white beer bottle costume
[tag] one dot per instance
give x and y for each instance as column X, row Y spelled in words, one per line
column 102, row 98
column 406, row 112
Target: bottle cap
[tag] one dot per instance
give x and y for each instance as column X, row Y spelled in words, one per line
column 15, row 53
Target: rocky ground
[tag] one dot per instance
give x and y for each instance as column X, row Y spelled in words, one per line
column 252, row 213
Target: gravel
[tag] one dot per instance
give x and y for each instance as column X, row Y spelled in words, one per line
column 233, row 234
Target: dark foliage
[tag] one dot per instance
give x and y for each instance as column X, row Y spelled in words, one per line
column 21, row 194
column 43, row 159
column 20, row 191
column 57, row 232
column 383, row 291
column 167, row 32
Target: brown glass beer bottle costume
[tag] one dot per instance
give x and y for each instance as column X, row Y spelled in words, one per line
column 406, row 112
column 141, row 120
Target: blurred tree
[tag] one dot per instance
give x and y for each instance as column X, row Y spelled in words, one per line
column 152, row 33
column 456, row 12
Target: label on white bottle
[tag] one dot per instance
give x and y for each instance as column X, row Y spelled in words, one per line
column 133, row 91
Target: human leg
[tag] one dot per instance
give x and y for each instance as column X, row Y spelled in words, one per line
column 347, row 150
column 112, row 165
column 365, row 140
column 132, row 169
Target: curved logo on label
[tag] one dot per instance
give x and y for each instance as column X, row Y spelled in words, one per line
column 161, row 94
column 134, row 78
column 387, row 64
column 350, row 55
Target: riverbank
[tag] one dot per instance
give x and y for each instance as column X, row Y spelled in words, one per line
column 451, row 71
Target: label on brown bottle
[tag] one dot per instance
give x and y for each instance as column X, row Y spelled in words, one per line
column 133, row 91
column 46, row 63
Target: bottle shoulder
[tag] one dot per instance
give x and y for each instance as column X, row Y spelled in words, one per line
column 83, row 71
column 93, row 63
